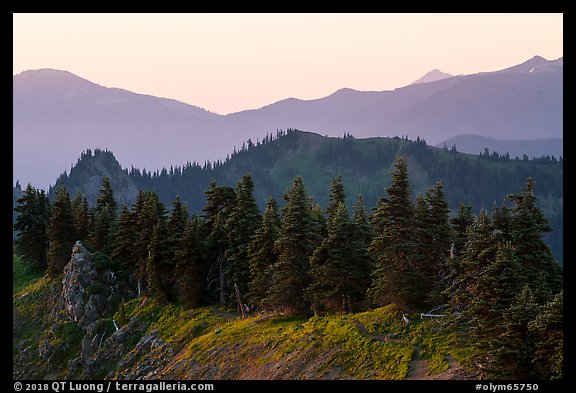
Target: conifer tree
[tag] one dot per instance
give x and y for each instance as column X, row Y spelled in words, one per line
column 31, row 226
column 437, row 236
column 149, row 211
column 220, row 203
column 423, row 246
column 216, row 244
column 548, row 330
column 105, row 217
column 510, row 354
column 261, row 253
column 328, row 265
column 528, row 225
column 123, row 252
column 319, row 230
column 337, row 196
column 394, row 277
column 338, row 271
column 178, row 220
column 190, row 268
column 81, row 217
column 60, row 233
column 492, row 291
column 501, row 222
column 460, row 224
column 364, row 231
column 361, row 235
column 241, row 225
column 290, row 275
column 175, row 228
column 158, row 258
column 479, row 252
column 455, row 266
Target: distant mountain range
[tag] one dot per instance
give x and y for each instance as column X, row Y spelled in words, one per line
column 57, row 114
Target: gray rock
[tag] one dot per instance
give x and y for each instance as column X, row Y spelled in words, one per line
column 88, row 294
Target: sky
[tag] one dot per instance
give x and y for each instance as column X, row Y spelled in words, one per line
column 231, row 62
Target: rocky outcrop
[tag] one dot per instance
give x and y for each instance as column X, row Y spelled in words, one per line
column 150, row 355
column 111, row 352
column 89, row 296
column 87, row 293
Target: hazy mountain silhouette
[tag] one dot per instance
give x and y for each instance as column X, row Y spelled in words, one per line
column 432, row 76
column 533, row 148
column 58, row 114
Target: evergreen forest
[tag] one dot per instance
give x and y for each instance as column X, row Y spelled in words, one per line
column 487, row 272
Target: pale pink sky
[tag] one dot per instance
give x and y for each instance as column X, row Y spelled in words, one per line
column 231, row 62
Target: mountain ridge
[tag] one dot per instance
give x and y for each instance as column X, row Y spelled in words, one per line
column 533, row 148
column 364, row 165
column 432, row 76
column 151, row 132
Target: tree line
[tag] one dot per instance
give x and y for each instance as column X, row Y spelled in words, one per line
column 273, row 163
column 491, row 272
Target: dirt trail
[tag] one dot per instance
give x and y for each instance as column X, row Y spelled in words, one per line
column 379, row 337
column 418, row 366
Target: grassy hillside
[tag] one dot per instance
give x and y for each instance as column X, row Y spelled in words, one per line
column 215, row 343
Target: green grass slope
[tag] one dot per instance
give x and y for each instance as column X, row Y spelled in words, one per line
column 216, row 343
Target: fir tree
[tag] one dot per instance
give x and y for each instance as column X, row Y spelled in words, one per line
column 460, row 224
column 436, row 236
column 148, row 211
column 294, row 247
column 394, row 277
column 123, row 252
column 319, row 229
column 364, row 232
column 361, row 235
column 158, row 258
column 510, row 355
column 216, row 244
column 81, row 217
column 548, row 330
column 105, row 217
column 492, row 292
column 175, row 228
column 337, row 196
column 261, row 253
column 528, row 225
column 338, row 270
column 501, row 222
column 31, row 226
column 479, row 252
column 220, row 203
column 178, row 220
column 60, row 233
column 190, row 268
column 241, row 225
column 456, row 270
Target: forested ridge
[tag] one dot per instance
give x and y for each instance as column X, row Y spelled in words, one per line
column 487, row 273
column 481, row 181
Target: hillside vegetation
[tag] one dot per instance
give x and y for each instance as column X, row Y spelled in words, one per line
column 342, row 289
column 174, row 342
column 364, row 164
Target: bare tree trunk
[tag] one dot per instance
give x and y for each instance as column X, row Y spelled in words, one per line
column 239, row 299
